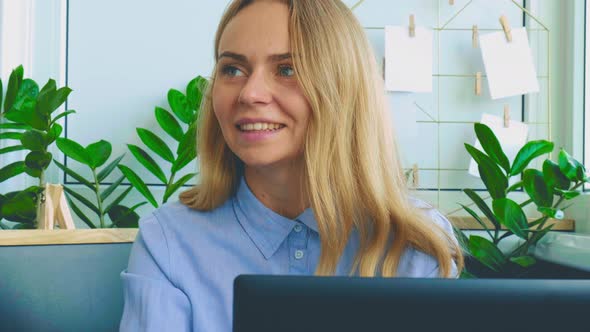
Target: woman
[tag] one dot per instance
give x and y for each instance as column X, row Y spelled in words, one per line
column 298, row 174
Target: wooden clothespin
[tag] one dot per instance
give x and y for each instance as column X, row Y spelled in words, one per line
column 506, row 116
column 412, row 26
column 415, row 176
column 478, row 83
column 506, row 27
column 451, row 2
column 475, row 37
column 55, row 207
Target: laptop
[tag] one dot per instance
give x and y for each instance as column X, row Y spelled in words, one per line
column 308, row 303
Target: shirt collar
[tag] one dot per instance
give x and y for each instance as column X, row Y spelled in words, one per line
column 266, row 228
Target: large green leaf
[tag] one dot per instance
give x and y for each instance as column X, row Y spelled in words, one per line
column 570, row 167
column 186, row 157
column 12, row 170
column 12, row 149
column 54, row 133
column 138, row 184
column 45, row 97
column 109, row 168
column 18, row 126
column 568, row 194
column 58, row 98
column 99, row 152
column 477, row 218
column 174, row 187
column 107, row 192
column 14, row 82
column 124, row 217
column 75, row 175
column 188, row 141
column 524, row 261
column 180, row 106
column 24, row 111
column 33, row 140
column 511, row 215
column 554, row 177
column 38, row 160
column 155, row 144
column 169, row 123
column 28, row 88
column 74, row 150
column 491, row 174
column 528, row 152
column 11, row 135
column 535, row 186
column 82, row 200
column 486, row 252
column 61, row 115
column 195, row 90
column 80, row 214
column 148, row 162
column 483, row 207
column 491, row 145
column 19, row 206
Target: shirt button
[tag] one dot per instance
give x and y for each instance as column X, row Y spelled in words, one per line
column 298, row 228
column 298, row 254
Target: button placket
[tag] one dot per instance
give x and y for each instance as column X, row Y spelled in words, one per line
column 298, row 249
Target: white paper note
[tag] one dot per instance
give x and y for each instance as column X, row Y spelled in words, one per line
column 509, row 66
column 511, row 139
column 408, row 60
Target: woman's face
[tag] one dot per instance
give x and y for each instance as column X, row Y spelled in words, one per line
column 257, row 100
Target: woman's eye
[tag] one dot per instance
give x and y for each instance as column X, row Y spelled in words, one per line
column 231, row 71
column 286, row 71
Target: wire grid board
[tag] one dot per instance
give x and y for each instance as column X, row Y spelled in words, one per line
column 445, row 117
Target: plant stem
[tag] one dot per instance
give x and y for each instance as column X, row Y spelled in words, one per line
column 40, row 197
column 98, row 199
column 170, row 182
column 527, row 202
column 559, row 201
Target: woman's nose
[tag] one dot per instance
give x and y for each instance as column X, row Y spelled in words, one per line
column 256, row 90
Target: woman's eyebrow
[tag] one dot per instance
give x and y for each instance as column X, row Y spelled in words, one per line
column 243, row 58
column 279, row 57
column 236, row 56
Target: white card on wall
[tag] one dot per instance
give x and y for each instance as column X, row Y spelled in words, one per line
column 511, row 139
column 408, row 60
column 509, row 66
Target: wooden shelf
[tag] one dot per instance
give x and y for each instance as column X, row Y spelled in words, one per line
column 67, row 236
column 127, row 235
column 468, row 223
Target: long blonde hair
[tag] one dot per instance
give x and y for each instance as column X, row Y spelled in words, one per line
column 353, row 177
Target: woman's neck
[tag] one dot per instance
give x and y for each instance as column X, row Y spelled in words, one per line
column 278, row 188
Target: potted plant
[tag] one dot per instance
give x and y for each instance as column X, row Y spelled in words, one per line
column 547, row 189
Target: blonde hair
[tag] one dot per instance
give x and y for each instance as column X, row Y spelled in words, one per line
column 352, row 176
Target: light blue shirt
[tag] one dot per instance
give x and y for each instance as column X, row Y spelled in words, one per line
column 183, row 262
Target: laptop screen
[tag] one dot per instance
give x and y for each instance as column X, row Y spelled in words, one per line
column 307, row 303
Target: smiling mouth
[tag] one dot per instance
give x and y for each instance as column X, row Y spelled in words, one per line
column 259, row 126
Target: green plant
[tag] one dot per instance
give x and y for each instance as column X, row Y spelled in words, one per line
column 27, row 117
column 94, row 156
column 186, row 109
column 547, row 190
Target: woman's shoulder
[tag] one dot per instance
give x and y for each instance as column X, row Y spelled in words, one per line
column 175, row 219
column 433, row 213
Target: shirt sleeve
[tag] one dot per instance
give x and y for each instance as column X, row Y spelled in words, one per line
column 151, row 301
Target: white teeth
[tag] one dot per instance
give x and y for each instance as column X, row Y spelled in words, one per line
column 259, row 126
